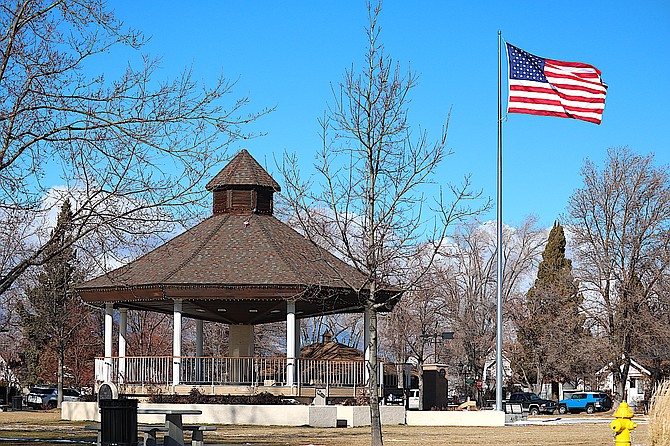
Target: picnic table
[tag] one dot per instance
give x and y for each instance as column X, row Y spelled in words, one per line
column 173, row 423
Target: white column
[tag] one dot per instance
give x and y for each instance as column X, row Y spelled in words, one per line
column 366, row 343
column 176, row 342
column 241, row 346
column 198, row 348
column 241, row 341
column 109, row 326
column 123, row 333
column 290, row 342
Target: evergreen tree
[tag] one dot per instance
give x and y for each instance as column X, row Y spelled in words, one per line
column 554, row 266
column 549, row 326
column 53, row 312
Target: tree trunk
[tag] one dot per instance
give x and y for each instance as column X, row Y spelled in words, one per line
column 61, row 362
column 420, row 367
column 537, row 388
column 555, row 391
column 619, row 377
column 375, row 417
column 624, row 379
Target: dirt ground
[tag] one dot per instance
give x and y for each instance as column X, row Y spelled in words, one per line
column 47, row 424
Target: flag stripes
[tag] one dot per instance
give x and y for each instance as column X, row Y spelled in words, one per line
column 549, row 87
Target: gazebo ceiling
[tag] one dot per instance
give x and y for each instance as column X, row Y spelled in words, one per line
column 238, row 266
column 236, row 311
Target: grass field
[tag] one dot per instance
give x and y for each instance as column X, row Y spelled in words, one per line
column 47, row 424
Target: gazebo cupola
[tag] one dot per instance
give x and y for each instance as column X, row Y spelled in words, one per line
column 243, row 186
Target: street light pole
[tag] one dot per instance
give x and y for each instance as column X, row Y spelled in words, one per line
column 445, row 335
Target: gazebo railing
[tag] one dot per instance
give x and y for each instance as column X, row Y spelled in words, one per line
column 327, row 373
column 234, row 371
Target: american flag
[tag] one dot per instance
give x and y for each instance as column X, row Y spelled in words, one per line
column 546, row 87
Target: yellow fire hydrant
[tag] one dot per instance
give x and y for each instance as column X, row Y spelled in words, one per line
column 623, row 425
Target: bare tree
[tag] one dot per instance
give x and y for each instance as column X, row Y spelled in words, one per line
column 620, row 227
column 468, row 278
column 269, row 339
column 411, row 329
column 346, row 329
column 217, row 336
column 128, row 152
column 368, row 207
column 149, row 333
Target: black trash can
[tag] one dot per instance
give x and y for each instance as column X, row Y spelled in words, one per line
column 118, row 422
column 17, row 402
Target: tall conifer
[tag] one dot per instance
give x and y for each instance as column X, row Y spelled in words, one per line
column 549, row 324
column 54, row 312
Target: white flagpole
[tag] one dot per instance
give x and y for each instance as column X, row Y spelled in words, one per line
column 499, row 318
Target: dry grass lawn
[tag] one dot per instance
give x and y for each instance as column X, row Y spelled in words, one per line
column 48, row 425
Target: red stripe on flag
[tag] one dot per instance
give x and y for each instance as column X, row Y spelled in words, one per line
column 557, row 114
column 572, row 65
column 583, row 88
column 538, row 112
column 517, row 91
column 571, row 90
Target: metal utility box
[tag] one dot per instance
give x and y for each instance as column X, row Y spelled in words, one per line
column 435, row 386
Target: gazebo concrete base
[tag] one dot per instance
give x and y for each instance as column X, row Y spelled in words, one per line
column 299, row 415
column 219, row 414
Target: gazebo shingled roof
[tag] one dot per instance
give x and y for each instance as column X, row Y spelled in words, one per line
column 243, row 170
column 239, row 265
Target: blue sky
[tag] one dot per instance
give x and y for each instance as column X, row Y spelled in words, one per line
column 286, row 54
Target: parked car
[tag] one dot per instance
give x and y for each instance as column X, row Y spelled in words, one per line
column 395, row 397
column 46, row 397
column 413, row 400
column 532, row 403
column 586, row 401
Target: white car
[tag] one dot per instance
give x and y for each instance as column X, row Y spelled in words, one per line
column 46, row 397
column 413, row 400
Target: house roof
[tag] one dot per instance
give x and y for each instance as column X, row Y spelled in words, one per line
column 330, row 350
column 634, row 366
column 235, row 268
column 243, row 170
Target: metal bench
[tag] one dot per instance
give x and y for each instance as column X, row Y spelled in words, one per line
column 95, row 427
column 149, row 432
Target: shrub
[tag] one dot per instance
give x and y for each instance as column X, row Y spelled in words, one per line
column 659, row 416
column 195, row 397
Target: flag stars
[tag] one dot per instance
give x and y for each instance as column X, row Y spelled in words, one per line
column 525, row 66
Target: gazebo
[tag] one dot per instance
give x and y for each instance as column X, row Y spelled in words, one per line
column 240, row 266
